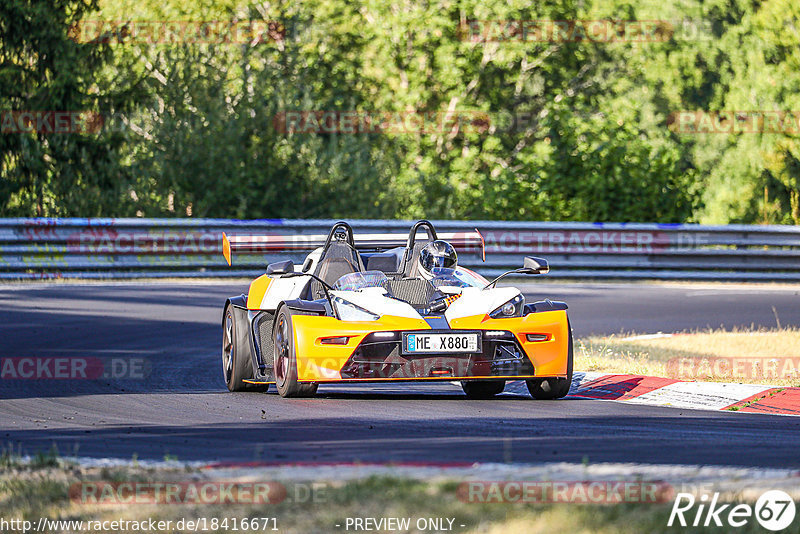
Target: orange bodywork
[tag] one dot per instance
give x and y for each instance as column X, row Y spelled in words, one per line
column 322, row 363
column 549, row 357
column 258, row 288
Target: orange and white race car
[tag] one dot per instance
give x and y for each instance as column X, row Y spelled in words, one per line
column 385, row 307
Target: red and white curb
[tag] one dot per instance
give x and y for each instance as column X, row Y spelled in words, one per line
column 657, row 391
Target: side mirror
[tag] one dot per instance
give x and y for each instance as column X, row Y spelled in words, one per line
column 535, row 265
column 281, row 267
column 531, row 265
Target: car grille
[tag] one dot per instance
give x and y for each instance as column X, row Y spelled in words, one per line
column 384, row 360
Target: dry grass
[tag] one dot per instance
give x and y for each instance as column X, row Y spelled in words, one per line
column 32, row 493
column 769, row 357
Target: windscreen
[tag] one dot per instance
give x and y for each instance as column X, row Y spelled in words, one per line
column 443, row 276
column 356, row 281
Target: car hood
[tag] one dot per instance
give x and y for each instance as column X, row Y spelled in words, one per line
column 473, row 301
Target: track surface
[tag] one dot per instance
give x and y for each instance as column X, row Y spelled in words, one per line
column 183, row 409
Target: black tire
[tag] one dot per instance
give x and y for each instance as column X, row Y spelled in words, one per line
column 285, row 363
column 237, row 364
column 482, row 389
column 553, row 388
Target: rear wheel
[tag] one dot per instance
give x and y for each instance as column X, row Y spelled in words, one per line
column 236, row 364
column 286, row 359
column 553, row 388
column 482, row 389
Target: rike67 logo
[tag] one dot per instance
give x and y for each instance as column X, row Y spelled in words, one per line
column 774, row 510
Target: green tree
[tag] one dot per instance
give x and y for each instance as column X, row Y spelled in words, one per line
column 43, row 69
column 565, row 130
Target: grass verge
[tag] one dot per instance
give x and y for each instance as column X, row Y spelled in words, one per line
column 770, row 357
column 30, row 493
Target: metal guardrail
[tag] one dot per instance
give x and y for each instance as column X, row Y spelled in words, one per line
column 158, row 248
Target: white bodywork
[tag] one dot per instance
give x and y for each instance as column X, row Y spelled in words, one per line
column 290, row 288
column 375, row 300
column 473, row 300
column 477, row 301
column 283, row 289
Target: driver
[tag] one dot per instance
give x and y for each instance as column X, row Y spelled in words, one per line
column 436, row 254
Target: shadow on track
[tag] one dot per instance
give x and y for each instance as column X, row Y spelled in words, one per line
column 705, row 440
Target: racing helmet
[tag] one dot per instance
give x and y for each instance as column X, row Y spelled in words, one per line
column 436, row 254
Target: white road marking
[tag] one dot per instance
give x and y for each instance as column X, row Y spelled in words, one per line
column 699, row 395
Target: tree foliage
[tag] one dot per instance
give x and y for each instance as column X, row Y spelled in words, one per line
column 575, row 129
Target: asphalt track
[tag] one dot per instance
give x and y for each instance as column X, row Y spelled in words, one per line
column 183, row 410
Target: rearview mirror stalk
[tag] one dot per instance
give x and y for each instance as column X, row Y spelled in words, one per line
column 531, row 265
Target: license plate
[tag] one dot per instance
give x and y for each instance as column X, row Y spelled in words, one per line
column 465, row 342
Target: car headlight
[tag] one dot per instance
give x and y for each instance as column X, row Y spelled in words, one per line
column 512, row 308
column 348, row 311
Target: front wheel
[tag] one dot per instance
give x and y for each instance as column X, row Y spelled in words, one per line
column 286, row 359
column 553, row 388
column 236, row 364
column 483, row 389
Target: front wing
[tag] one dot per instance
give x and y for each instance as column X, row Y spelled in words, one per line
column 506, row 351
